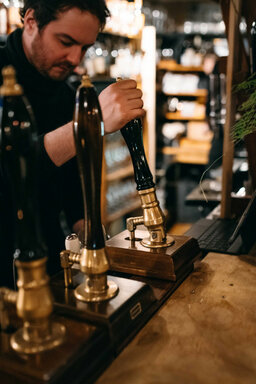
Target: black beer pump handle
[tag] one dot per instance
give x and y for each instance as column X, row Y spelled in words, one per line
column 19, row 142
column 132, row 134
column 88, row 135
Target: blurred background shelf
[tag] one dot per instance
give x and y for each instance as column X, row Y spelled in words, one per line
column 178, row 116
column 197, row 93
column 173, row 66
column 131, row 205
column 189, row 151
column 120, row 173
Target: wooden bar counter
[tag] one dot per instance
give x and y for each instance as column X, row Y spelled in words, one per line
column 204, row 334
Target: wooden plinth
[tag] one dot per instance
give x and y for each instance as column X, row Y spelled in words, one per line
column 123, row 315
column 164, row 263
column 85, row 352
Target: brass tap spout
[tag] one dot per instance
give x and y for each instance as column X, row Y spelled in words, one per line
column 67, row 259
column 131, row 224
column 7, row 296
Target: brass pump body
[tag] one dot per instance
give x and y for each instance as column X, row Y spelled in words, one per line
column 153, row 219
column 34, row 305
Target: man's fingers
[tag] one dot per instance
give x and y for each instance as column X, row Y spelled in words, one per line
column 120, row 103
column 126, row 84
column 133, row 94
column 136, row 113
column 135, row 103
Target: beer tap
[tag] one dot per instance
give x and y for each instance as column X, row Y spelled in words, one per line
column 153, row 218
column 93, row 260
column 34, row 302
column 151, row 252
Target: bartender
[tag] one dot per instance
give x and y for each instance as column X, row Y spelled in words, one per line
column 51, row 44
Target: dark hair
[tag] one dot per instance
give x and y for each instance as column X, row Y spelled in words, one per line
column 46, row 11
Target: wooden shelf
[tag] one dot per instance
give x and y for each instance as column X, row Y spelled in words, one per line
column 190, row 151
column 171, row 65
column 179, row 116
column 197, row 93
column 134, row 204
column 120, row 173
column 197, row 113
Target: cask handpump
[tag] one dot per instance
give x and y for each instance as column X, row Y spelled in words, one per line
column 34, row 302
column 88, row 135
column 151, row 252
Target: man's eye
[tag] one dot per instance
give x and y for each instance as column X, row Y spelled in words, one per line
column 66, row 43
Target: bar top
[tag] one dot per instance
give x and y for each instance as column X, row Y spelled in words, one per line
column 204, row 334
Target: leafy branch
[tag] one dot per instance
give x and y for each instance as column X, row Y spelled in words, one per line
column 247, row 122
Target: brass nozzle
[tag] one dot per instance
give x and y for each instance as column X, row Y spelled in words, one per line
column 131, row 224
column 7, row 296
column 153, row 219
column 67, row 259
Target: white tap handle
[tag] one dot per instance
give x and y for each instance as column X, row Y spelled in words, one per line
column 72, row 243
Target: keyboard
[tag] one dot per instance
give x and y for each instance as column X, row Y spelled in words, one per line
column 216, row 237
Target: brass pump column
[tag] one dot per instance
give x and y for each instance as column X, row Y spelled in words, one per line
column 153, row 218
column 34, row 306
column 88, row 135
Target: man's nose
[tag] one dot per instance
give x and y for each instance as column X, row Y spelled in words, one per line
column 74, row 56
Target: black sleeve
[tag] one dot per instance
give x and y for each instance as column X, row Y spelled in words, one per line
column 73, row 199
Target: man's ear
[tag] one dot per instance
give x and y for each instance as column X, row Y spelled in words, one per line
column 30, row 24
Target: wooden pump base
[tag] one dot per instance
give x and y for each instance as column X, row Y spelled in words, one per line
column 164, row 263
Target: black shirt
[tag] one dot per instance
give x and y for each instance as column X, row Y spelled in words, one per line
column 60, row 191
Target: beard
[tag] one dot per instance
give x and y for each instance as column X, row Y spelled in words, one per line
column 39, row 57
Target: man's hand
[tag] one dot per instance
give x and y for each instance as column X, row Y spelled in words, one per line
column 120, row 103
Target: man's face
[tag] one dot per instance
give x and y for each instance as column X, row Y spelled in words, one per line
column 59, row 47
